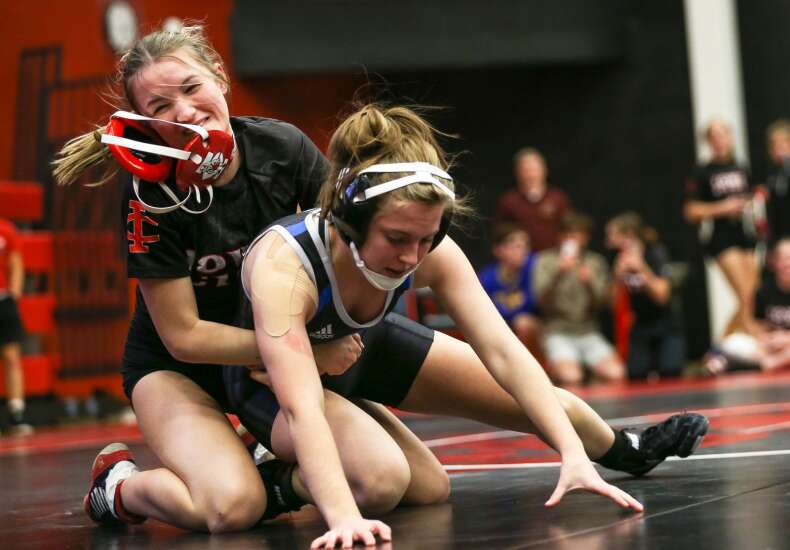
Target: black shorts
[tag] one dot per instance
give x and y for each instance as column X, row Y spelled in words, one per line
column 395, row 350
column 11, row 331
column 725, row 238
column 145, row 353
column 137, row 362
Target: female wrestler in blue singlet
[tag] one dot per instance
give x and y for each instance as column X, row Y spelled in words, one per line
column 385, row 210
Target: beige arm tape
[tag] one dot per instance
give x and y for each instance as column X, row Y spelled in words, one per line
column 279, row 286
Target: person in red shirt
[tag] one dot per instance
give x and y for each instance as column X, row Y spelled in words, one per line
column 12, row 275
column 534, row 205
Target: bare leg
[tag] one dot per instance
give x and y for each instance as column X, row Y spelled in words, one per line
column 14, row 377
column 567, row 372
column 454, row 382
column 777, row 360
column 740, row 269
column 208, row 481
column 376, row 468
column 15, row 387
column 610, row 369
column 429, row 482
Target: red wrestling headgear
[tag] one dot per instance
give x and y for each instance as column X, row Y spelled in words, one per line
column 140, row 151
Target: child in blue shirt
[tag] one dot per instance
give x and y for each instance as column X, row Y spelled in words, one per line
column 508, row 281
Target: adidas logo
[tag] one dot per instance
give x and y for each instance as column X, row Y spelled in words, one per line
column 324, row 333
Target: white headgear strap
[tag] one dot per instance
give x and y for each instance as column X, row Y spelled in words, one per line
column 162, row 150
column 423, row 172
column 177, row 203
column 382, row 282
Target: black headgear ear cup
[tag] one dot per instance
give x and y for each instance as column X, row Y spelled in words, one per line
column 353, row 218
column 444, row 227
column 357, row 197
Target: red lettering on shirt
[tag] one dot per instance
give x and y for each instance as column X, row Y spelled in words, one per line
column 137, row 238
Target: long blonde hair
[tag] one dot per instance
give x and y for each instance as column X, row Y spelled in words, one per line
column 378, row 134
column 86, row 151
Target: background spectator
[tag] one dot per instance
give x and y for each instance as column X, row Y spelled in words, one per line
column 778, row 203
column 772, row 310
column 719, row 191
column 642, row 268
column 12, row 276
column 534, row 205
column 572, row 284
column 508, row 281
column 770, row 349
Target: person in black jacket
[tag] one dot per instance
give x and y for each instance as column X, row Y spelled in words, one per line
column 778, row 182
column 655, row 340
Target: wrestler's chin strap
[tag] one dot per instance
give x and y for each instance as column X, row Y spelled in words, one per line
column 177, row 203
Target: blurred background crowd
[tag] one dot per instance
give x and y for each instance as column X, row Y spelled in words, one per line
column 617, row 313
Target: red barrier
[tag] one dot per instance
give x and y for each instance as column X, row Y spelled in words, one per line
column 37, row 313
column 21, row 201
column 78, row 308
column 92, row 304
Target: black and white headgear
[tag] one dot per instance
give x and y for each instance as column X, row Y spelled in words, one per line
column 353, row 208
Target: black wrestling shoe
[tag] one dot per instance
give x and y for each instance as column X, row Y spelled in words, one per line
column 678, row 435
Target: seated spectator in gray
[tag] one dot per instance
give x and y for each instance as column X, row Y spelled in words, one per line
column 572, row 284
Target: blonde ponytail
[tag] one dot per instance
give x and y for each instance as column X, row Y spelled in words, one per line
column 80, row 154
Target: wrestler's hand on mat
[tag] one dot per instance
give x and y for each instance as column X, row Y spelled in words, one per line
column 336, row 357
column 580, row 474
column 354, row 530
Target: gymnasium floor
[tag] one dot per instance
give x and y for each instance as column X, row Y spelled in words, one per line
column 734, row 493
